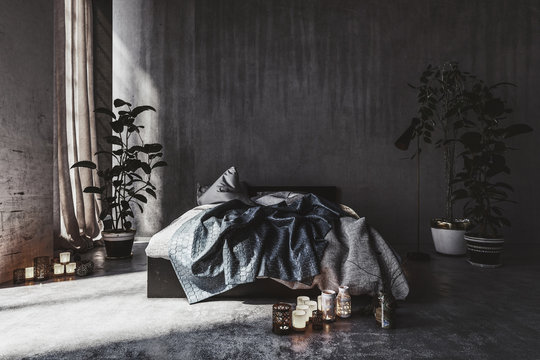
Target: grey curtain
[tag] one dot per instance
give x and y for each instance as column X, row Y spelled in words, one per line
column 78, row 223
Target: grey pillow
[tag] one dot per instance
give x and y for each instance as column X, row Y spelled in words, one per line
column 227, row 187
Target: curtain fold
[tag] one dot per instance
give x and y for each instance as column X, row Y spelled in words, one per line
column 76, row 139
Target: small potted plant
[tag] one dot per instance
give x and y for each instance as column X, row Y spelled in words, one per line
column 442, row 115
column 127, row 182
column 484, row 163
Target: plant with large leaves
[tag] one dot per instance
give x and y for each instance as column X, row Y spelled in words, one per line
column 442, row 114
column 128, row 181
column 484, row 160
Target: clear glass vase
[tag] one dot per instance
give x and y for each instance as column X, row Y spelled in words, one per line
column 343, row 302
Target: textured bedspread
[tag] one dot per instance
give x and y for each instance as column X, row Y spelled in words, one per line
column 234, row 244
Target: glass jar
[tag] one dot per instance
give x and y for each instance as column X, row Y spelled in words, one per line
column 281, row 318
column 328, row 305
column 343, row 302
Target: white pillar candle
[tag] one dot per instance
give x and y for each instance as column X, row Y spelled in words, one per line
column 299, row 320
column 319, row 302
column 312, row 306
column 58, row 269
column 305, row 309
column 65, row 257
column 301, row 300
column 70, row 268
column 29, row 273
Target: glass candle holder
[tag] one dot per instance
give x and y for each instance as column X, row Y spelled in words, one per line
column 19, row 276
column 41, row 268
column 70, row 268
column 319, row 302
column 58, row 269
column 317, row 320
column 328, row 305
column 302, row 300
column 299, row 320
column 343, row 302
column 312, row 306
column 29, row 273
column 281, row 319
column 65, row 257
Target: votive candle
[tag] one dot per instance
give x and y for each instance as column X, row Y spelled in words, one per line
column 65, row 257
column 29, row 273
column 301, row 300
column 59, row 269
column 70, row 268
column 305, row 309
column 299, row 320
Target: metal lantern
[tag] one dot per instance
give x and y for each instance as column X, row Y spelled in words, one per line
column 317, row 320
column 42, row 268
column 18, row 276
column 281, row 319
column 328, row 305
column 343, row 302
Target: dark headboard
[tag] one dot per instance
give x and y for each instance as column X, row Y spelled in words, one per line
column 327, row 192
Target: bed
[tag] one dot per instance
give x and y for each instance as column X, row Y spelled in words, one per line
column 353, row 253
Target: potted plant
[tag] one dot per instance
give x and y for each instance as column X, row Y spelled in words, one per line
column 484, row 162
column 442, row 115
column 127, row 182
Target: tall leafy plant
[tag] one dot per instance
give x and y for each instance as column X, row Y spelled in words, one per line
column 485, row 146
column 442, row 114
column 128, row 181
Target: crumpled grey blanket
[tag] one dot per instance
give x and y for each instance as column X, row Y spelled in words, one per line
column 356, row 256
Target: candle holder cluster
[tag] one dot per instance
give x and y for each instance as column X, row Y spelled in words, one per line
column 308, row 312
column 44, row 268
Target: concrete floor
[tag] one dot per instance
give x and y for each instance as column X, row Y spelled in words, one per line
column 454, row 311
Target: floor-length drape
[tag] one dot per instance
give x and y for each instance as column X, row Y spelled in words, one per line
column 76, row 130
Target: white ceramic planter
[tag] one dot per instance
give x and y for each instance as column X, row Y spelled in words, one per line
column 448, row 236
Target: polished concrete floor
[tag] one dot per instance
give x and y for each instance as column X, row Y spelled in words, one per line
column 454, row 311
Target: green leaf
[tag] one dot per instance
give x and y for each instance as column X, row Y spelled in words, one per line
column 120, row 102
column 146, row 168
column 159, row 164
column 105, row 111
column 151, row 156
column 84, row 164
column 140, row 197
column 517, row 129
column 152, row 148
column 92, row 190
column 117, row 126
column 115, row 140
column 127, row 225
column 140, row 207
column 151, row 192
column 140, row 109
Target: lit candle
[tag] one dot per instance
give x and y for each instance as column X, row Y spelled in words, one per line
column 328, row 305
column 29, row 273
column 58, row 269
column 305, row 309
column 319, row 302
column 65, row 257
column 301, row 300
column 70, row 268
column 299, row 320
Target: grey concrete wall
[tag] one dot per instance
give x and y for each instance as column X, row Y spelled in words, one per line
column 26, row 132
column 298, row 92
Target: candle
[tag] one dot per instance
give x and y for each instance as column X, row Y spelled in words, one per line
column 305, row 309
column 319, row 302
column 312, row 306
column 70, row 268
column 59, row 269
column 18, row 276
column 65, row 257
column 328, row 305
column 301, row 300
column 299, row 320
column 29, row 273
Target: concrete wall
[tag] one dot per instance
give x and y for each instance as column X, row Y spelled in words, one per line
column 26, row 133
column 298, row 92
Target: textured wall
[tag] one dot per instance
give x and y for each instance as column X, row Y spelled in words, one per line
column 26, row 131
column 314, row 93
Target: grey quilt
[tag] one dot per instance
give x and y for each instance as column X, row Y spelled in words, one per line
column 351, row 252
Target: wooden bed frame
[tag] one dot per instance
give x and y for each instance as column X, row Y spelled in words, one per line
column 163, row 283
